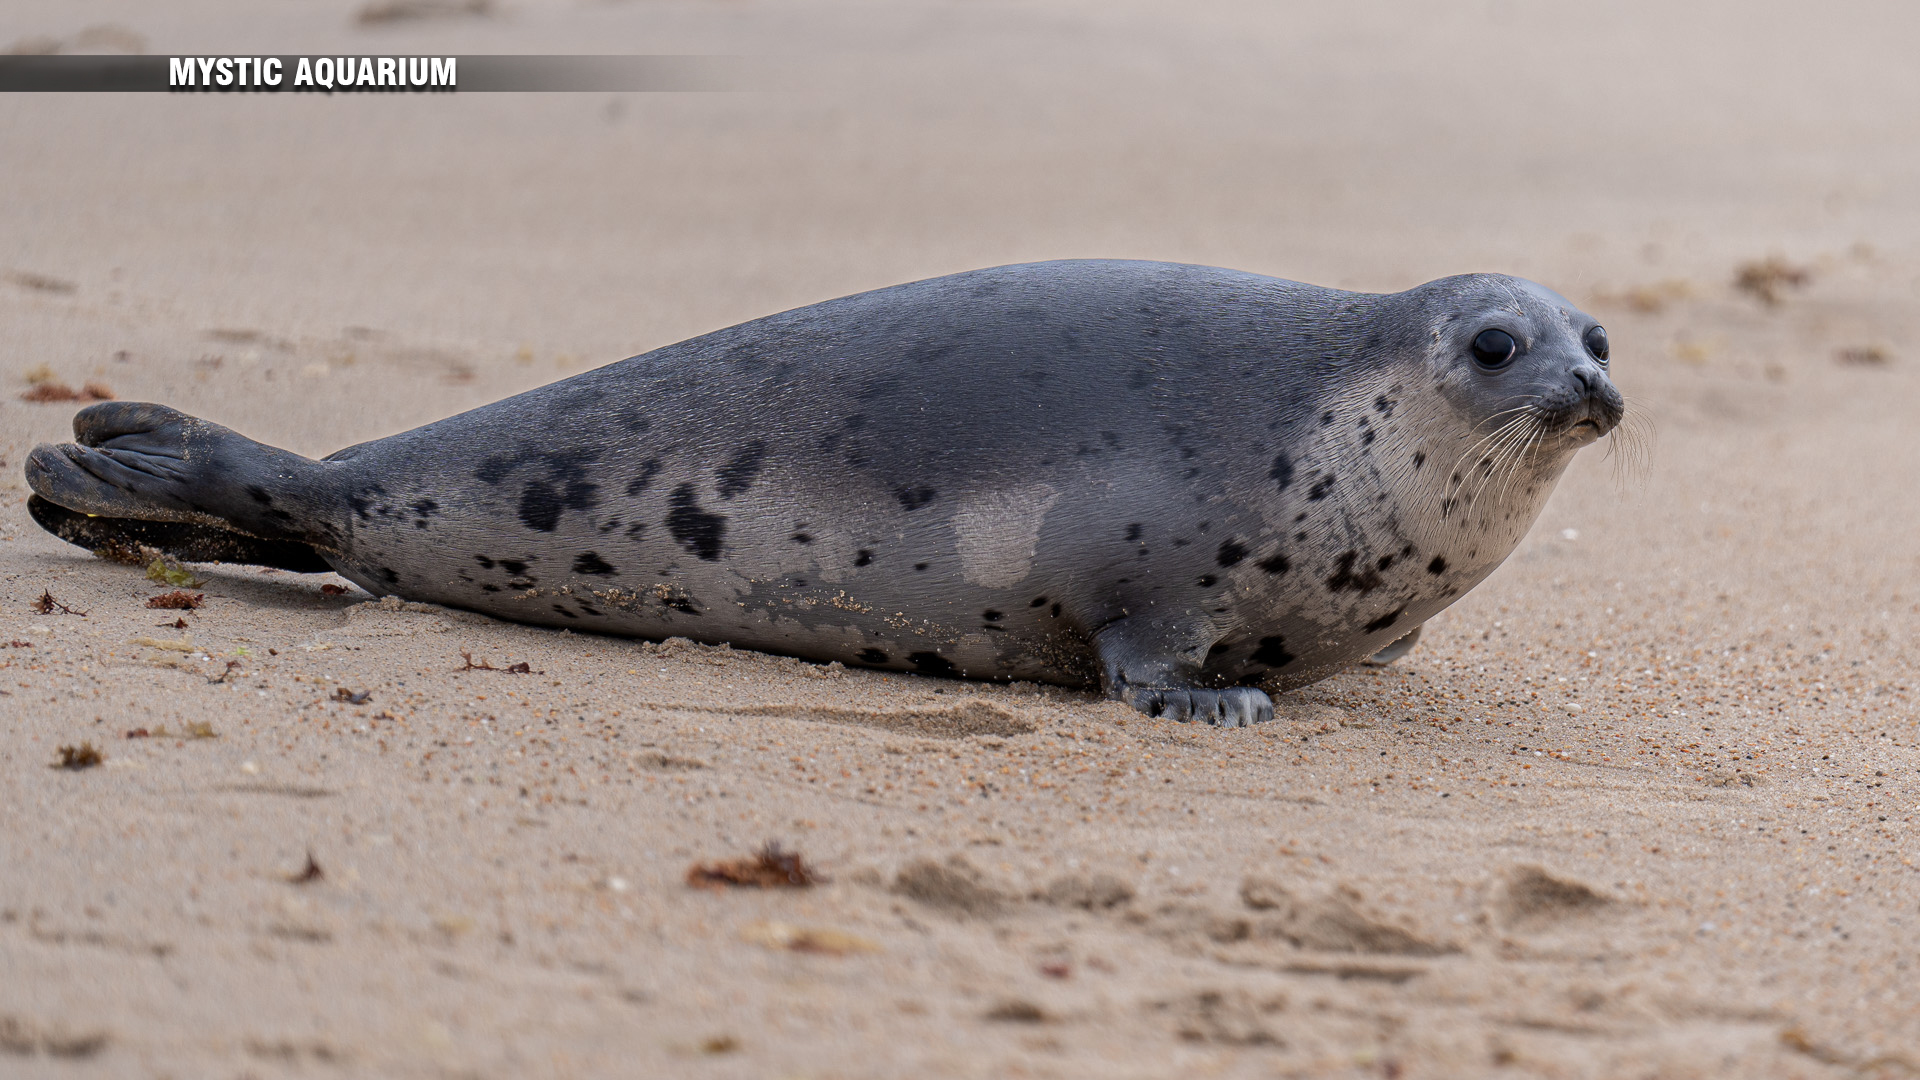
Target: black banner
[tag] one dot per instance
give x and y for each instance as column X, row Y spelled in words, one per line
column 375, row 74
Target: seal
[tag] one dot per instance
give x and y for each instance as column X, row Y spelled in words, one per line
column 1171, row 482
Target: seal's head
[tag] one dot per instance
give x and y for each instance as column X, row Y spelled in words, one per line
column 1509, row 353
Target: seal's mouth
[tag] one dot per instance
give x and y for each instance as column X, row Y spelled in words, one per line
column 1584, row 420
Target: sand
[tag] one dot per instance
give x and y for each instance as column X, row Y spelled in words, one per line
column 1642, row 804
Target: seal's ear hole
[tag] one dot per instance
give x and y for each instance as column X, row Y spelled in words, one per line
column 1494, row 348
column 1596, row 342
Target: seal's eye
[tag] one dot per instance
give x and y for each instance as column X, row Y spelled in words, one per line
column 1596, row 340
column 1493, row 348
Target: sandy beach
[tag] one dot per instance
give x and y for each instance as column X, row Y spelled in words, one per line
column 1642, row 804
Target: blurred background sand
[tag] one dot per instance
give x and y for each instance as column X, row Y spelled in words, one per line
column 1641, row 804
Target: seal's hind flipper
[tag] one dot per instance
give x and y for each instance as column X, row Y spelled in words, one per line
column 142, row 462
column 185, row 541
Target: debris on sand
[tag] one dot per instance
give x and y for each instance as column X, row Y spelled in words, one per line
column 818, row 940
column 165, row 571
column 352, row 697
column 178, row 599
column 75, row 758
column 772, row 867
column 401, row 11
column 48, row 393
column 1016, row 1011
column 333, row 590
column 308, row 874
column 126, row 554
column 47, row 605
column 1864, row 356
column 521, row 668
column 1765, row 279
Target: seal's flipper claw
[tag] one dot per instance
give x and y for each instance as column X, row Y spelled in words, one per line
column 1236, row 706
column 1401, row 646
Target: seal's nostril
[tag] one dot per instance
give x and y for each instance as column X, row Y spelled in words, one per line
column 1584, row 378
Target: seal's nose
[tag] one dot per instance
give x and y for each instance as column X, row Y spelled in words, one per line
column 1587, row 379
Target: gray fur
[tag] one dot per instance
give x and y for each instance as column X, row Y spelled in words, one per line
column 1164, row 480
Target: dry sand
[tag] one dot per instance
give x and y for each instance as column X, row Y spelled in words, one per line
column 1643, row 804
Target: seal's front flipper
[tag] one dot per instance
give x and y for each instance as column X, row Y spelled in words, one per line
column 185, row 541
column 1401, row 646
column 1153, row 664
column 144, row 462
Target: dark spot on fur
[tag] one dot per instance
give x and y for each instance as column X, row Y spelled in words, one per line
column 362, row 501
column 589, row 562
column 1220, row 648
column 637, row 530
column 863, row 557
column 1386, row 620
column 1208, row 581
column 612, row 524
column 1275, row 564
column 738, row 474
column 921, row 565
column 1326, row 418
column 495, row 469
column 1282, row 472
column 1384, row 406
column 1038, row 601
column 1438, row 566
column 391, row 577
column 1345, row 580
column 1272, row 652
column 681, row 604
column 932, row 663
column 993, row 616
column 871, row 656
column 1419, row 458
column 1366, row 436
column 1134, row 531
column 514, row 567
column 648, row 470
column 540, row 507
column 802, row 538
column 694, row 528
column 485, row 563
column 1320, row 488
column 1231, row 552
column 1056, row 611
column 913, row 498
column 260, row 495
column 1385, row 563
column 562, row 609
column 426, row 508
column 1204, row 526
column 489, row 588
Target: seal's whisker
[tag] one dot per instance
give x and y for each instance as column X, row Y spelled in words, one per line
column 1478, row 446
column 1630, row 446
column 1514, row 433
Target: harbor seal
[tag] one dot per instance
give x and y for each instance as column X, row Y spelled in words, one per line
column 1166, row 481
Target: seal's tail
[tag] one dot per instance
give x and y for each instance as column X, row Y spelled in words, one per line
column 139, row 474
